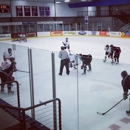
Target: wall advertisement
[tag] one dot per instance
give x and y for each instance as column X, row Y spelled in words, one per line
column 40, row 34
column 115, row 34
column 5, row 36
column 93, row 33
column 69, row 33
column 102, row 33
column 56, row 33
column 125, row 34
column 82, row 32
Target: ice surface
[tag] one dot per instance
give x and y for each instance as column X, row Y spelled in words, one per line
column 82, row 96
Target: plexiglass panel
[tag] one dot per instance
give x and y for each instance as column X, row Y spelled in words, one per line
column 66, row 90
column 42, row 75
column 22, row 74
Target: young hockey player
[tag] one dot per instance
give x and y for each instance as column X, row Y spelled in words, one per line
column 66, row 44
column 126, row 85
column 7, row 54
column 74, row 60
column 6, row 72
column 107, row 53
column 86, row 61
column 115, row 51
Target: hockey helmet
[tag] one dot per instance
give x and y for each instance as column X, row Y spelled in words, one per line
column 9, row 49
column 80, row 54
column 111, row 45
column 62, row 47
column 107, row 45
column 124, row 73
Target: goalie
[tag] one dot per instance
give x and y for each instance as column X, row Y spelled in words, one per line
column 22, row 38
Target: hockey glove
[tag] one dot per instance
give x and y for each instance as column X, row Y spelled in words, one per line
column 125, row 96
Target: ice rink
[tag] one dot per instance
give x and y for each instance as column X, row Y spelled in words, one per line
column 82, row 96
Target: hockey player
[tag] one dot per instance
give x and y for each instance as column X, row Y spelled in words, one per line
column 67, row 45
column 6, row 74
column 126, row 85
column 74, row 60
column 22, row 38
column 107, row 53
column 115, row 51
column 86, row 61
column 8, row 55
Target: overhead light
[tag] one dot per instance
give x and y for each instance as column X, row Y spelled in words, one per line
column 67, row 0
column 58, row 2
column 83, row 0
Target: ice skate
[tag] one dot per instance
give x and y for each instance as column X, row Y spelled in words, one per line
column 112, row 61
column 104, row 60
column 128, row 113
column 89, row 67
column 2, row 89
column 117, row 62
column 10, row 92
column 84, row 72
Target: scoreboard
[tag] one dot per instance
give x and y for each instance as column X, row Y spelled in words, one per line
column 4, row 8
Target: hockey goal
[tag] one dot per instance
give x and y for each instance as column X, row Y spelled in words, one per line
column 16, row 36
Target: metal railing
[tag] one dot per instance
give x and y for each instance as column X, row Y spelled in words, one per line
column 125, row 28
column 15, row 98
column 48, row 115
column 104, row 13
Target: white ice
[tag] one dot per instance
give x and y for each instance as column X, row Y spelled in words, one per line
column 82, row 96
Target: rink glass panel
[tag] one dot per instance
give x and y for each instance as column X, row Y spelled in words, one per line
column 42, row 74
column 22, row 75
column 21, row 57
column 66, row 90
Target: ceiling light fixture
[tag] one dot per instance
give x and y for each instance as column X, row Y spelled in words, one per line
column 67, row 0
column 58, row 2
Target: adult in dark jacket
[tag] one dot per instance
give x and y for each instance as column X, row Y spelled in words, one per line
column 126, row 85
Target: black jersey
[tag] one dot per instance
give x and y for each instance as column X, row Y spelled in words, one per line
column 126, row 83
column 116, row 49
column 86, row 59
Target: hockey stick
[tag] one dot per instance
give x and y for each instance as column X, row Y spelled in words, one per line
column 129, row 104
column 111, row 107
